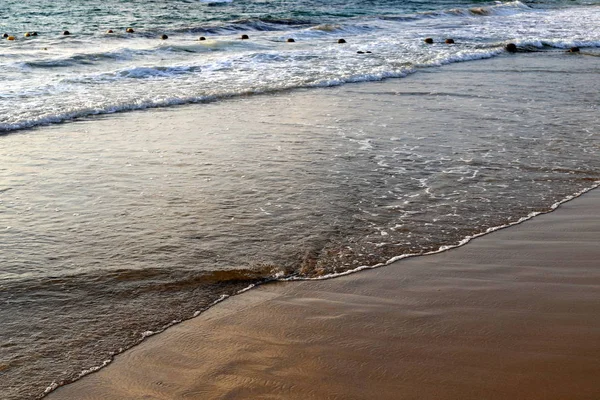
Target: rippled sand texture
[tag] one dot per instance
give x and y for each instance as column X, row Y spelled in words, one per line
column 512, row 315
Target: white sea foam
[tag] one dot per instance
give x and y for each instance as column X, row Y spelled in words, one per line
column 92, row 76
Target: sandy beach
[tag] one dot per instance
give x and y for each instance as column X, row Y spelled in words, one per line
column 511, row 315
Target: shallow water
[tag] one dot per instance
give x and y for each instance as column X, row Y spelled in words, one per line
column 113, row 227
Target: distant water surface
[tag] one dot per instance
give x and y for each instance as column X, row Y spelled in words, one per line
column 114, row 227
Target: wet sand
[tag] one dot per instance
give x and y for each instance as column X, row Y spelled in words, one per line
column 511, row 315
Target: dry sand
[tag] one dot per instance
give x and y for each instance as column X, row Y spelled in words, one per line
column 511, row 315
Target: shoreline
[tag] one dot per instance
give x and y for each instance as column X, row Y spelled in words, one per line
column 225, row 337
column 181, row 113
column 442, row 249
column 94, row 369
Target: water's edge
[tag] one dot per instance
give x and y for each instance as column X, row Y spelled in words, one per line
column 53, row 386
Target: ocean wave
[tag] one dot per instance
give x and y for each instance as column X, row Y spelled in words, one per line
column 538, row 44
column 160, row 73
column 157, row 72
column 327, row 27
column 264, row 24
column 81, row 58
column 509, row 8
column 355, row 24
column 119, row 55
column 145, row 73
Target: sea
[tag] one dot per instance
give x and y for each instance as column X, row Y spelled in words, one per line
column 121, row 214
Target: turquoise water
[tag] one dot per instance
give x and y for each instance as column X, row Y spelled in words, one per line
column 113, row 227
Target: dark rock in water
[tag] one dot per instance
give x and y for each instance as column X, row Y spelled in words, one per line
column 360, row 52
column 201, row 38
column 428, row 40
column 164, row 37
column 129, row 30
column 369, row 52
column 449, row 41
column 66, row 33
column 34, row 33
column 110, row 31
column 27, row 34
column 244, row 37
column 290, row 40
column 5, row 35
column 574, row 49
column 342, row 41
column 511, row 48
